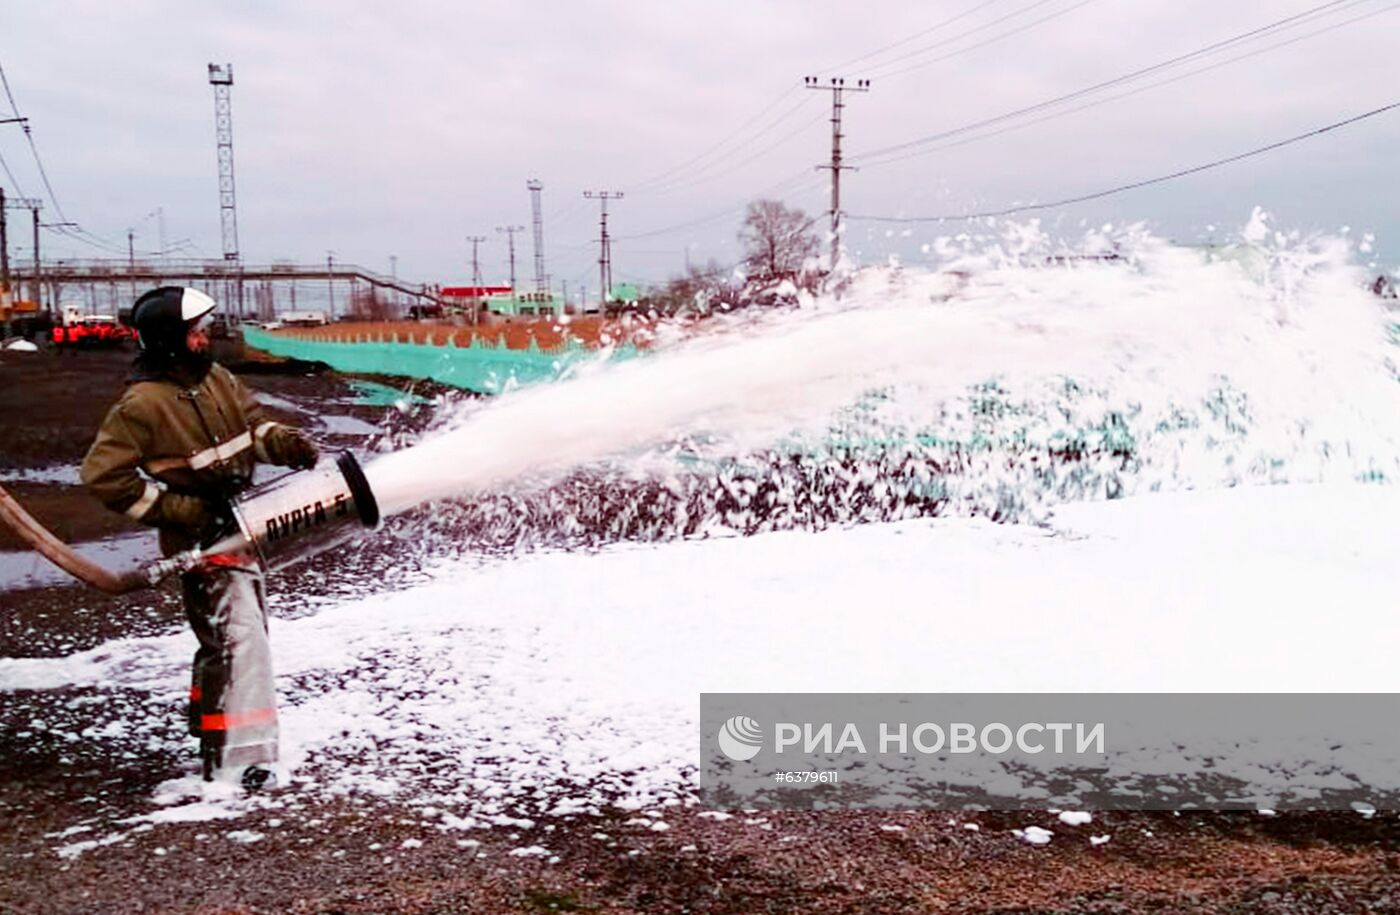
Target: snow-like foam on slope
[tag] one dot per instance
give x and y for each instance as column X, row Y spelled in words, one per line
column 562, row 682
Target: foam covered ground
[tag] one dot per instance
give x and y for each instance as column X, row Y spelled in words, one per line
column 561, row 682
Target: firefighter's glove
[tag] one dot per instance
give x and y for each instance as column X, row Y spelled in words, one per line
column 299, row 452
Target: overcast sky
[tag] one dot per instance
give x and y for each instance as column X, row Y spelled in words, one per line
column 378, row 129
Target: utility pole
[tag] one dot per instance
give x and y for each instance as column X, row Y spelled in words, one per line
column 394, row 275
column 53, row 297
column 510, row 240
column 330, row 281
column 476, row 241
column 838, row 89
column 604, row 245
column 34, row 207
column 535, row 186
column 131, row 259
column 4, row 252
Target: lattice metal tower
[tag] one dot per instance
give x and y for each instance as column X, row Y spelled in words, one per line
column 535, row 186
column 221, row 78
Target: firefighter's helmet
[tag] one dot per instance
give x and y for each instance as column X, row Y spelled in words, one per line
column 163, row 317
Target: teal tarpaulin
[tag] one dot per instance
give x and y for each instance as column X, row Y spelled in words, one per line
column 482, row 367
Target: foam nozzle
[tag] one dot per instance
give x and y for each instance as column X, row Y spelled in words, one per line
column 299, row 515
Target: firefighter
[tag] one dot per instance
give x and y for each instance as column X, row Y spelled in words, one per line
column 178, row 445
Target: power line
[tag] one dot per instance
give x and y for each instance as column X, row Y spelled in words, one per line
column 659, row 178
column 77, row 233
column 677, row 173
column 14, row 182
column 1117, row 80
column 1136, row 184
column 944, row 42
column 786, row 137
column 1131, row 92
column 776, row 144
column 797, row 180
column 24, row 124
column 684, row 182
column 973, row 47
column 844, row 65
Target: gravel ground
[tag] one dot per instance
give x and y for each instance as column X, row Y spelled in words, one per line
column 60, row 789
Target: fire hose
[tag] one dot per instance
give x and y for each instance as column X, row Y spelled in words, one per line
column 278, row 523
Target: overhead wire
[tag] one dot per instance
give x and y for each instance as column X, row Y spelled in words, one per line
column 713, row 217
column 78, row 234
column 914, row 37
column 1207, row 50
column 1122, row 95
column 677, row 174
column 14, row 182
column 695, row 180
column 1030, row 207
column 874, row 74
column 661, row 176
column 682, row 181
column 795, row 181
column 776, row 144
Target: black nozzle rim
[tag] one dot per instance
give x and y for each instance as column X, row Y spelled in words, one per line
column 354, row 474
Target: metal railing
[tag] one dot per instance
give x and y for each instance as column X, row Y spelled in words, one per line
column 147, row 270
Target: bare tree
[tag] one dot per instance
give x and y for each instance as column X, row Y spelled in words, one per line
column 700, row 290
column 777, row 241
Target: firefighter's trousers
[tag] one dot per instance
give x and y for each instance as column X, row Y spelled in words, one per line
column 233, row 709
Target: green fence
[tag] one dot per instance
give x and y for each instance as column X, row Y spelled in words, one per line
column 483, row 367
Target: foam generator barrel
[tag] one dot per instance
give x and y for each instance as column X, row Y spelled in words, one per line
column 304, row 513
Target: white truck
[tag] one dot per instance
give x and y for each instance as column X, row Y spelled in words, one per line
column 303, row 318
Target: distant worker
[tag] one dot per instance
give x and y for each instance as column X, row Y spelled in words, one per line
column 196, row 433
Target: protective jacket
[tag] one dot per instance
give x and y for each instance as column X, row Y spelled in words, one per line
column 196, row 442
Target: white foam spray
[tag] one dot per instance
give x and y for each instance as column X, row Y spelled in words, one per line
column 1274, row 337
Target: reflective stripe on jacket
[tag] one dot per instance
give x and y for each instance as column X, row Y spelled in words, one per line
column 199, row 441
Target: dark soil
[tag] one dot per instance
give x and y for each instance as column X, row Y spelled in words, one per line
column 362, row 855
